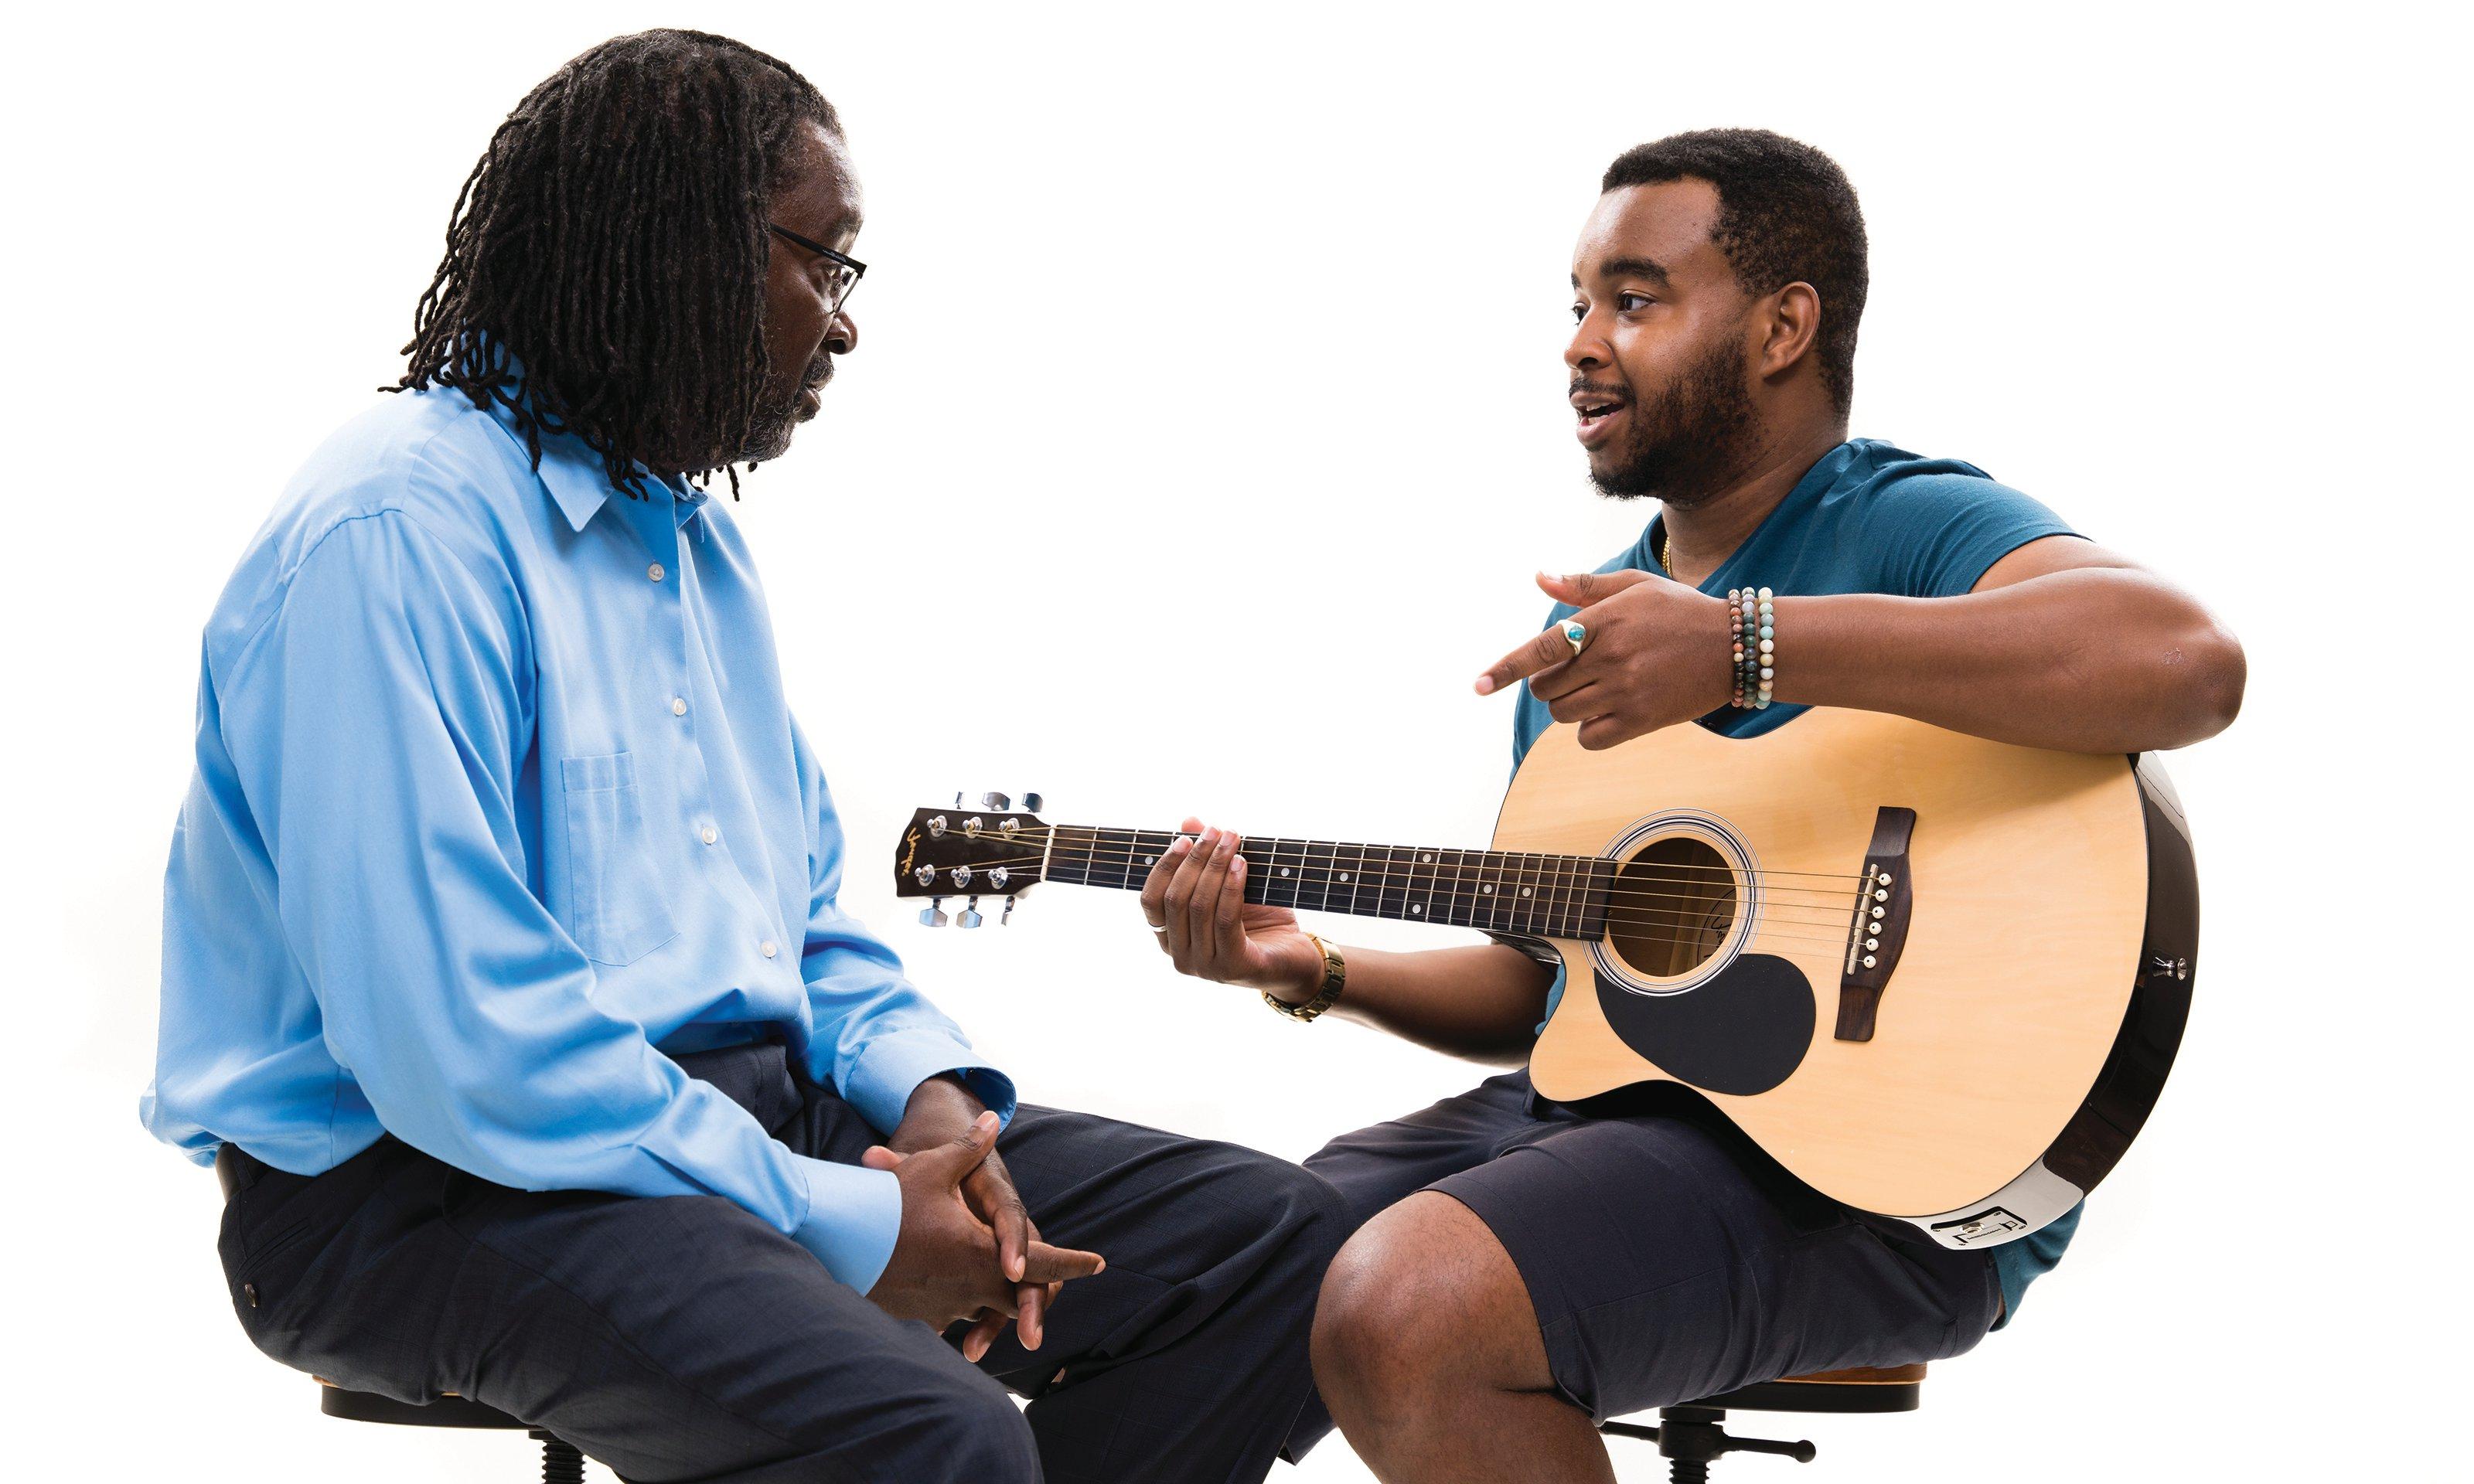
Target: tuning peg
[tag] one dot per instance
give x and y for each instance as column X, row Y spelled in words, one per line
column 970, row 916
column 1006, row 917
column 1032, row 803
column 932, row 915
column 995, row 802
column 957, row 799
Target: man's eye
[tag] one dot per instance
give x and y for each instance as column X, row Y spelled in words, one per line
column 1625, row 303
column 1580, row 312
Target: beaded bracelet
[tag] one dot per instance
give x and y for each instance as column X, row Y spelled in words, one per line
column 1755, row 625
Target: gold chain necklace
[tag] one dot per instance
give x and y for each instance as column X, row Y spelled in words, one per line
column 1667, row 551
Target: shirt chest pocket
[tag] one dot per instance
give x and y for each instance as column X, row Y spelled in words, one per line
column 613, row 904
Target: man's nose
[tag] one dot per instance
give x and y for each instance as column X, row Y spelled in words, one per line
column 1587, row 349
column 841, row 334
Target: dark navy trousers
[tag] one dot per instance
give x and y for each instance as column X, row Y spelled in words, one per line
column 682, row 1339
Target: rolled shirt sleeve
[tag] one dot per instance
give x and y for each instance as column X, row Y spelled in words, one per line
column 375, row 722
column 876, row 1037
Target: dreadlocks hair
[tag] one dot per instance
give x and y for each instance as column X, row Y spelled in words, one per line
column 605, row 260
column 1785, row 215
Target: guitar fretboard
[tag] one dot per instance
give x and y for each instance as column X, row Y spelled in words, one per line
column 1497, row 890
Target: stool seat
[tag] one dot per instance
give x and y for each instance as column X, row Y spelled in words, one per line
column 448, row 1411
column 561, row 1462
column 1857, row 1389
column 1688, row 1435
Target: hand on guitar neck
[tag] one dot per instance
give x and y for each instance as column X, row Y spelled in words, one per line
column 1482, row 1002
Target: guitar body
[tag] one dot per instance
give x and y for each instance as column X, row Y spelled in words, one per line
column 2051, row 916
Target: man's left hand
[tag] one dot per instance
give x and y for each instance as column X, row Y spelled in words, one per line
column 937, row 1113
column 1658, row 653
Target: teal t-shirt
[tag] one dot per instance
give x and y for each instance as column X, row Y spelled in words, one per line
column 1868, row 517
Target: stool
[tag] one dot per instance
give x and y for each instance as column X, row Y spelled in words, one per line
column 1690, row 1438
column 561, row 1463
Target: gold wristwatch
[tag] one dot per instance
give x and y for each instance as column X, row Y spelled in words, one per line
column 1335, row 975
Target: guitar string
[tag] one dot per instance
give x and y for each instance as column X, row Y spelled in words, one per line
column 1384, row 881
column 1096, row 830
column 1834, row 916
column 1407, row 871
column 1533, row 908
column 1112, row 851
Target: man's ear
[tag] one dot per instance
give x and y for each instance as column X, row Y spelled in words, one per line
column 1791, row 326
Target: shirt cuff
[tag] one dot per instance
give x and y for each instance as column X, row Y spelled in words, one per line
column 880, row 1082
column 853, row 1218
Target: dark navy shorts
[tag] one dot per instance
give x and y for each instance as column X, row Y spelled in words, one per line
column 1667, row 1258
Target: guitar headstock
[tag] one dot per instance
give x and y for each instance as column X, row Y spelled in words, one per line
column 992, row 851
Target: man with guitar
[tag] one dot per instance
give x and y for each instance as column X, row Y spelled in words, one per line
column 1520, row 1266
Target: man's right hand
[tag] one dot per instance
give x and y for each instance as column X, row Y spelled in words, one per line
column 944, row 1265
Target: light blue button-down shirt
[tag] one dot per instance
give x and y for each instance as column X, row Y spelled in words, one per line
column 498, row 798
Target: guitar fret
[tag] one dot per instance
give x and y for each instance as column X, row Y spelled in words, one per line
column 1315, row 875
column 1286, row 857
column 1348, row 870
column 1596, row 890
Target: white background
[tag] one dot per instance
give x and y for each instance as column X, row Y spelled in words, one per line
column 1207, row 425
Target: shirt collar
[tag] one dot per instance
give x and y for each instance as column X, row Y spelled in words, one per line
column 578, row 482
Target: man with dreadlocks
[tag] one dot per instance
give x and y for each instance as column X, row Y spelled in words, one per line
column 505, row 985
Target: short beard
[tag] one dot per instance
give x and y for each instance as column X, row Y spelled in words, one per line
column 769, row 431
column 1687, row 445
column 777, row 417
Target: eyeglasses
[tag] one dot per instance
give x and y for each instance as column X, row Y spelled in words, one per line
column 847, row 270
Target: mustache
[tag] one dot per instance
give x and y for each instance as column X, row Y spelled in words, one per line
column 1581, row 384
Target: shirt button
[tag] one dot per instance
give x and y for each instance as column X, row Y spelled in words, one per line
column 655, row 572
column 710, row 834
column 768, row 948
column 678, row 705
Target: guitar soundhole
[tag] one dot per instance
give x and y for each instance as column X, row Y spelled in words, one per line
column 1672, row 908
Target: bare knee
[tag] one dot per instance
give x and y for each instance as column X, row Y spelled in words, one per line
column 1422, row 1302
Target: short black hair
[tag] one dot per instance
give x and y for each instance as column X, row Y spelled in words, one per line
column 612, row 243
column 1785, row 215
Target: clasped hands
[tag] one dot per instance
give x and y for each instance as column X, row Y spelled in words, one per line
column 1658, row 653
column 968, row 1249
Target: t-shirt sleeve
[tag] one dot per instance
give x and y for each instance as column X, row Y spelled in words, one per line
column 1946, row 530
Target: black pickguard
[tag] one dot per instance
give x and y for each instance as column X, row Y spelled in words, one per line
column 1745, row 1032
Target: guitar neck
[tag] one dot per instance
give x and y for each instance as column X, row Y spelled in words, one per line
column 1496, row 891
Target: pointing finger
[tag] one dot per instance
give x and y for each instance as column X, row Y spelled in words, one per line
column 1549, row 648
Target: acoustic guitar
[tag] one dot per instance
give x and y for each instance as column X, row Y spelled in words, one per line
column 1939, row 979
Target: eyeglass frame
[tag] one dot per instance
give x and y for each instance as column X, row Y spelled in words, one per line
column 859, row 270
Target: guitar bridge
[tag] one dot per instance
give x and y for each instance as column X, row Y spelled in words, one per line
column 1879, row 929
